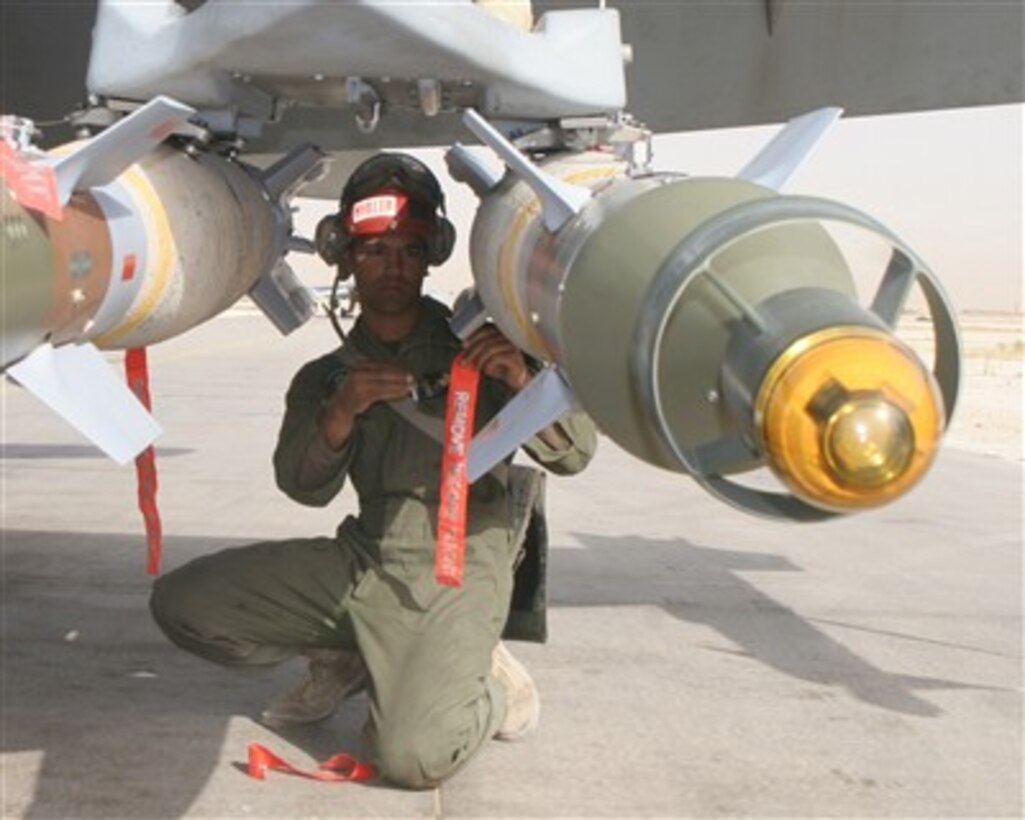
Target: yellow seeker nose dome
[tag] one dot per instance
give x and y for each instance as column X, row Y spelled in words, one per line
column 849, row 418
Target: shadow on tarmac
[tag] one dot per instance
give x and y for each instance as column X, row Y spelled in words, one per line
column 93, row 686
column 703, row 585
column 123, row 720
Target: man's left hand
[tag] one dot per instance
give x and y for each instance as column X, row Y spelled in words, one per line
column 495, row 356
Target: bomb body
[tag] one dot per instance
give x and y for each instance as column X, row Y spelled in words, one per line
column 673, row 303
column 169, row 243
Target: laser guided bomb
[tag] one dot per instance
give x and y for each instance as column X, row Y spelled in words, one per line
column 124, row 240
column 710, row 325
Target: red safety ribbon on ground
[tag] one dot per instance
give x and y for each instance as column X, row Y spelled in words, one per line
column 460, row 409
column 137, row 374
column 338, row 768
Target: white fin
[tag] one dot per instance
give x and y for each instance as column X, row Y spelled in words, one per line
column 104, row 157
column 77, row 383
column 543, row 401
column 284, row 300
column 787, row 151
column 560, row 201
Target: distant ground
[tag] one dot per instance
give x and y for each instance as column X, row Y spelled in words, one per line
column 988, row 418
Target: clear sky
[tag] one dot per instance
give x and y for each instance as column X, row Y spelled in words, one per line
column 949, row 183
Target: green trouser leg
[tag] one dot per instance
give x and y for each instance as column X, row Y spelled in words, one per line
column 260, row 604
column 433, row 701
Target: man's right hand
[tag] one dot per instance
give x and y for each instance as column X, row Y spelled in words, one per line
column 364, row 385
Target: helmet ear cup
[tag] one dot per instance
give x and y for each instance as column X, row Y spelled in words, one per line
column 330, row 239
column 440, row 245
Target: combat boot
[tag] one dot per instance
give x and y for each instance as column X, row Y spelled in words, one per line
column 522, row 703
column 331, row 677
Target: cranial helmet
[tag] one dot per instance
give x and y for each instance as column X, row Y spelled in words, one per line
column 388, row 193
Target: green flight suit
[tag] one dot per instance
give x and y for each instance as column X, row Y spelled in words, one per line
column 427, row 647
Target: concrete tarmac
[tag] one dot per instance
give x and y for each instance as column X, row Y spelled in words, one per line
column 701, row 663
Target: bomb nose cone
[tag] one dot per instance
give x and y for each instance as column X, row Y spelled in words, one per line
column 849, row 418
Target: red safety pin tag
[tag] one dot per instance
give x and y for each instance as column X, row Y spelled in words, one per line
column 137, row 372
column 460, row 410
column 339, row 768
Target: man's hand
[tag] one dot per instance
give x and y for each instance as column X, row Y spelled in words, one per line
column 364, row 385
column 495, row 356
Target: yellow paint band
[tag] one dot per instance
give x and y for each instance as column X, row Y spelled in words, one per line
column 589, row 174
column 157, row 276
column 506, row 270
column 506, row 266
